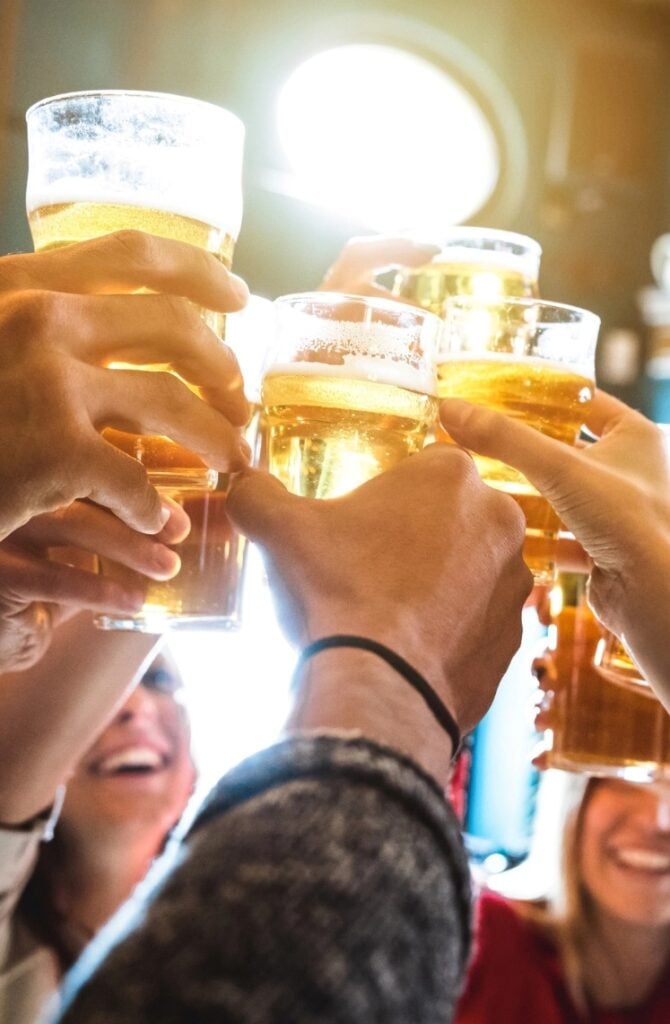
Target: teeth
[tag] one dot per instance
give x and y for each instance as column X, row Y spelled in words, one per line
column 132, row 757
column 644, row 860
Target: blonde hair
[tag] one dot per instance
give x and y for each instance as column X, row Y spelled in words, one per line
column 547, row 888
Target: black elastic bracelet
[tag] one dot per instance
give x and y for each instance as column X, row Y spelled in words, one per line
column 407, row 671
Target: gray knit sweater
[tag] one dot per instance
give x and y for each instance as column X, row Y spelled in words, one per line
column 324, row 882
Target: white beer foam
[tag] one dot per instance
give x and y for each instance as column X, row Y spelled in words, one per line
column 581, row 369
column 374, row 351
column 154, row 150
column 379, row 371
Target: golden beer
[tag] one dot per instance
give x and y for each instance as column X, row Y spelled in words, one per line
column 431, row 285
column 593, row 724
column 546, row 396
column 206, row 592
column 328, row 432
column 57, row 225
column 481, row 262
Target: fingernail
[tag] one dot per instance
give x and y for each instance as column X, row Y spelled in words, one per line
column 167, row 562
column 245, row 449
column 166, row 512
column 240, row 288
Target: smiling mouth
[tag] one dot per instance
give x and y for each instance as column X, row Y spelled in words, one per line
column 650, row 861
column 131, row 761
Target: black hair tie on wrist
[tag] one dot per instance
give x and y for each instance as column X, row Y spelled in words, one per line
column 407, row 671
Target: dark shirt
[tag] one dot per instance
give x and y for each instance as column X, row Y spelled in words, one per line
column 323, row 881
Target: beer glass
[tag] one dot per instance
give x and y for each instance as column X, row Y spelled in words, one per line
column 534, row 361
column 207, row 591
column 476, row 261
column 167, row 165
column 348, row 390
column 594, row 724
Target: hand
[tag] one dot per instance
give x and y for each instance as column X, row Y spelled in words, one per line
column 424, row 558
column 362, row 259
column 38, row 593
column 64, row 316
column 614, row 496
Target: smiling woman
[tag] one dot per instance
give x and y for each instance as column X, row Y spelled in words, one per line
column 596, row 948
column 122, row 799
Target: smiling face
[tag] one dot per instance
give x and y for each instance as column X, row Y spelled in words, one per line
column 625, row 850
column 139, row 771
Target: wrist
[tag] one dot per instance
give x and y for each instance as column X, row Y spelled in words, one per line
column 348, row 689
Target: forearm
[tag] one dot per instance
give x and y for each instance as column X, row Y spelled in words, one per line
column 642, row 617
column 347, row 689
column 52, row 712
column 325, row 881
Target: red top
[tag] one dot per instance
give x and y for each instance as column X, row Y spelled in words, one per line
column 515, row 978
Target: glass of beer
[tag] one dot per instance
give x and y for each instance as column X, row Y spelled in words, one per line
column 207, row 591
column 475, row 261
column 349, row 389
column 168, row 165
column 592, row 723
column 534, row 361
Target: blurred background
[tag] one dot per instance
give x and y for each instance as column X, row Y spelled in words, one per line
column 362, row 116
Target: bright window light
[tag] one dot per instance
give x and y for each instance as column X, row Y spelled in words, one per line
column 386, row 138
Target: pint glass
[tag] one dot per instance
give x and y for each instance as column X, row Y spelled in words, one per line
column 348, row 390
column 167, row 165
column 534, row 361
column 594, row 724
column 476, row 261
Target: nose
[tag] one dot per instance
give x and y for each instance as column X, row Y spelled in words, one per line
column 140, row 704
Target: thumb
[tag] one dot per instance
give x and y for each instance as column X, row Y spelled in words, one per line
column 553, row 467
column 260, row 506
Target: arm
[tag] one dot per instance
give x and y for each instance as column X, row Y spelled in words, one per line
column 325, row 878
column 614, row 495
column 50, row 714
column 325, row 881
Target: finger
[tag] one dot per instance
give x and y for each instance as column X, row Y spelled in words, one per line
column 363, row 258
column 541, row 760
column 159, row 403
column 261, row 507
column 119, row 483
column 161, row 330
column 178, row 524
column 550, row 465
column 571, row 557
column 605, row 412
column 29, row 579
column 89, row 528
column 125, row 261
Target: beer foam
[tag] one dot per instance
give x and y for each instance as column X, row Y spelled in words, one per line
column 379, row 371
column 567, row 365
column 149, row 150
